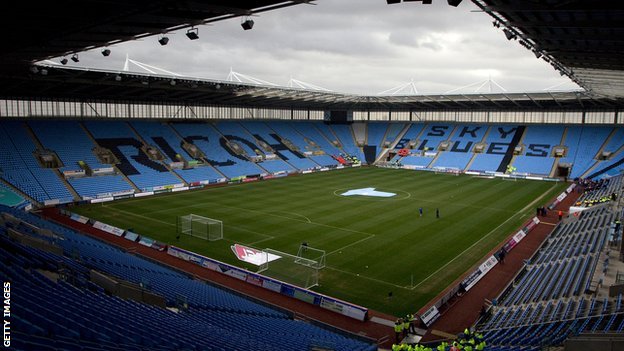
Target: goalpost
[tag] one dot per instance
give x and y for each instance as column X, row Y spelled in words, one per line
column 300, row 270
column 200, row 227
column 309, row 253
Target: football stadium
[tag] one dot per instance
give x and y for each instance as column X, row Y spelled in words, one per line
column 156, row 211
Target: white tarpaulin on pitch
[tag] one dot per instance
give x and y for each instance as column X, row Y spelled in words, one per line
column 253, row 256
column 367, row 192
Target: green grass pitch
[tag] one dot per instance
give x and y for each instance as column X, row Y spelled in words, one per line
column 374, row 245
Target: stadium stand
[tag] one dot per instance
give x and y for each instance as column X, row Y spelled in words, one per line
column 538, row 142
column 376, row 135
column 207, row 139
column 344, row 135
column 429, row 140
column 600, row 191
column 459, row 152
column 22, row 169
column 314, row 146
column 555, row 294
column 501, row 141
column 359, row 132
column 290, row 147
column 285, row 159
column 72, row 145
column 170, row 145
column 394, row 129
column 91, row 318
column 583, row 145
column 135, row 164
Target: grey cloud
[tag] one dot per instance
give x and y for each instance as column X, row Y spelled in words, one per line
column 355, row 46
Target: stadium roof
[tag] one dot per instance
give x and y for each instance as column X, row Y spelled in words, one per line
column 582, row 39
column 43, row 30
column 74, row 83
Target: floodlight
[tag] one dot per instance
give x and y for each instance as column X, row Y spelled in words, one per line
column 393, row 1
column 163, row 41
column 509, row 34
column 193, row 33
column 64, row 60
column 537, row 54
column 106, row 52
column 248, row 24
column 454, row 3
column 75, row 58
column 118, row 78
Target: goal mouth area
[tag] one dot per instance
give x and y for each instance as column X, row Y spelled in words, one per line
column 200, row 227
column 292, row 269
column 307, row 252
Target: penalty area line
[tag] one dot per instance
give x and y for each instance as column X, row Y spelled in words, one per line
column 367, row 278
column 352, row 244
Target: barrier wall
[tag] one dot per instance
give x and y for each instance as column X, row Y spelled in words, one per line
column 329, row 303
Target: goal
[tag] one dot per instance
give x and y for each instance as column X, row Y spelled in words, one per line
column 307, row 252
column 200, row 227
column 299, row 271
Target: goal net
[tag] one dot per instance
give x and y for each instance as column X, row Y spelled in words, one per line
column 307, row 252
column 200, row 227
column 299, row 271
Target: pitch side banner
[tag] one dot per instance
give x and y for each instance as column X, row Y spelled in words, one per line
column 326, row 302
column 430, row 315
column 108, row 228
column 514, row 240
column 479, row 273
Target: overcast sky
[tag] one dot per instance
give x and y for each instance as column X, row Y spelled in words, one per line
column 351, row 46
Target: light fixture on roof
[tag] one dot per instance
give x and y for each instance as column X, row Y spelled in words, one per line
column 537, row 54
column 193, row 33
column 247, row 24
column 454, row 3
column 75, row 58
column 172, row 82
column 64, row 60
column 106, row 52
column 118, row 78
column 393, row 1
column 163, row 40
column 509, row 34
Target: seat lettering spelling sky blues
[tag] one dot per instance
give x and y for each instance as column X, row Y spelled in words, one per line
column 539, row 150
column 438, row 131
column 504, row 133
column 468, row 130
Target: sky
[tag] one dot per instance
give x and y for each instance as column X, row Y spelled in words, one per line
column 351, row 46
